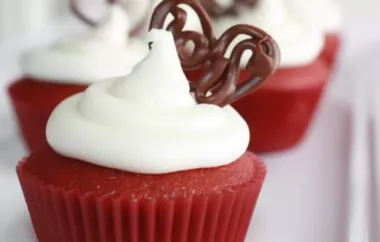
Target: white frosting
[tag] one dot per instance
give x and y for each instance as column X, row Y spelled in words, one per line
column 299, row 43
column 147, row 122
column 325, row 14
column 103, row 53
column 137, row 10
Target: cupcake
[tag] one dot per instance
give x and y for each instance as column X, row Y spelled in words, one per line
column 142, row 158
column 68, row 67
column 280, row 112
column 325, row 14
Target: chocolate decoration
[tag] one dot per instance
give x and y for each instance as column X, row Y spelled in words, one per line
column 92, row 23
column 220, row 83
column 150, row 45
column 80, row 15
column 216, row 10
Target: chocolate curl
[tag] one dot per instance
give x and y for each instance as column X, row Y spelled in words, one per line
column 202, row 41
column 250, row 3
column 216, row 10
column 74, row 6
column 219, row 84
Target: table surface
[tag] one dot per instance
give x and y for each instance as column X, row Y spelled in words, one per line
column 303, row 198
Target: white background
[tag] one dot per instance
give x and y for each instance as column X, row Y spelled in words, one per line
column 303, row 199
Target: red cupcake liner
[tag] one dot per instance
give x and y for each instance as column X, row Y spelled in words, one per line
column 66, row 215
column 33, row 101
column 331, row 49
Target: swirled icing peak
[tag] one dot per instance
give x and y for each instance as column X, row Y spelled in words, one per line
column 171, row 87
column 104, row 52
column 324, row 14
column 147, row 122
column 300, row 44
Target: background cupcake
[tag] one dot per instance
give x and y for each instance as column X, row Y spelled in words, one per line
column 279, row 113
column 68, row 66
column 138, row 11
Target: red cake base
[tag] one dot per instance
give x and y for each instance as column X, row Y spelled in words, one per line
column 78, row 201
column 331, row 49
column 279, row 113
column 33, row 101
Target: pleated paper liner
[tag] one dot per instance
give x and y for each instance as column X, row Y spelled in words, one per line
column 67, row 216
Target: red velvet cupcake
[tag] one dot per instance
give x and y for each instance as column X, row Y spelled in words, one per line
column 68, row 67
column 141, row 158
column 280, row 112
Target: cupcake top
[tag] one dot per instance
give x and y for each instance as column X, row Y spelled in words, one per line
column 147, row 121
column 300, row 43
column 153, row 121
column 104, row 52
column 325, row 14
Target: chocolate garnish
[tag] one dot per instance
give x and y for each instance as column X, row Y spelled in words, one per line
column 219, row 83
column 150, row 45
column 74, row 6
column 216, row 10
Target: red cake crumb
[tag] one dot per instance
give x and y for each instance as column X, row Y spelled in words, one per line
column 67, row 174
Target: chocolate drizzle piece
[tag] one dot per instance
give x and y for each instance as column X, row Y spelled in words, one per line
column 219, row 84
column 74, row 6
column 216, row 10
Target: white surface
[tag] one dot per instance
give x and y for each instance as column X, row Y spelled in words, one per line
column 303, row 198
column 359, row 166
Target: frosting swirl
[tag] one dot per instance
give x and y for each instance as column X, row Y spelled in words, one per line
column 324, row 14
column 103, row 53
column 148, row 121
column 299, row 44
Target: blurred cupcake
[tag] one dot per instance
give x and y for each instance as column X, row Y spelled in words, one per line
column 138, row 12
column 279, row 113
column 69, row 66
column 141, row 158
column 325, row 14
